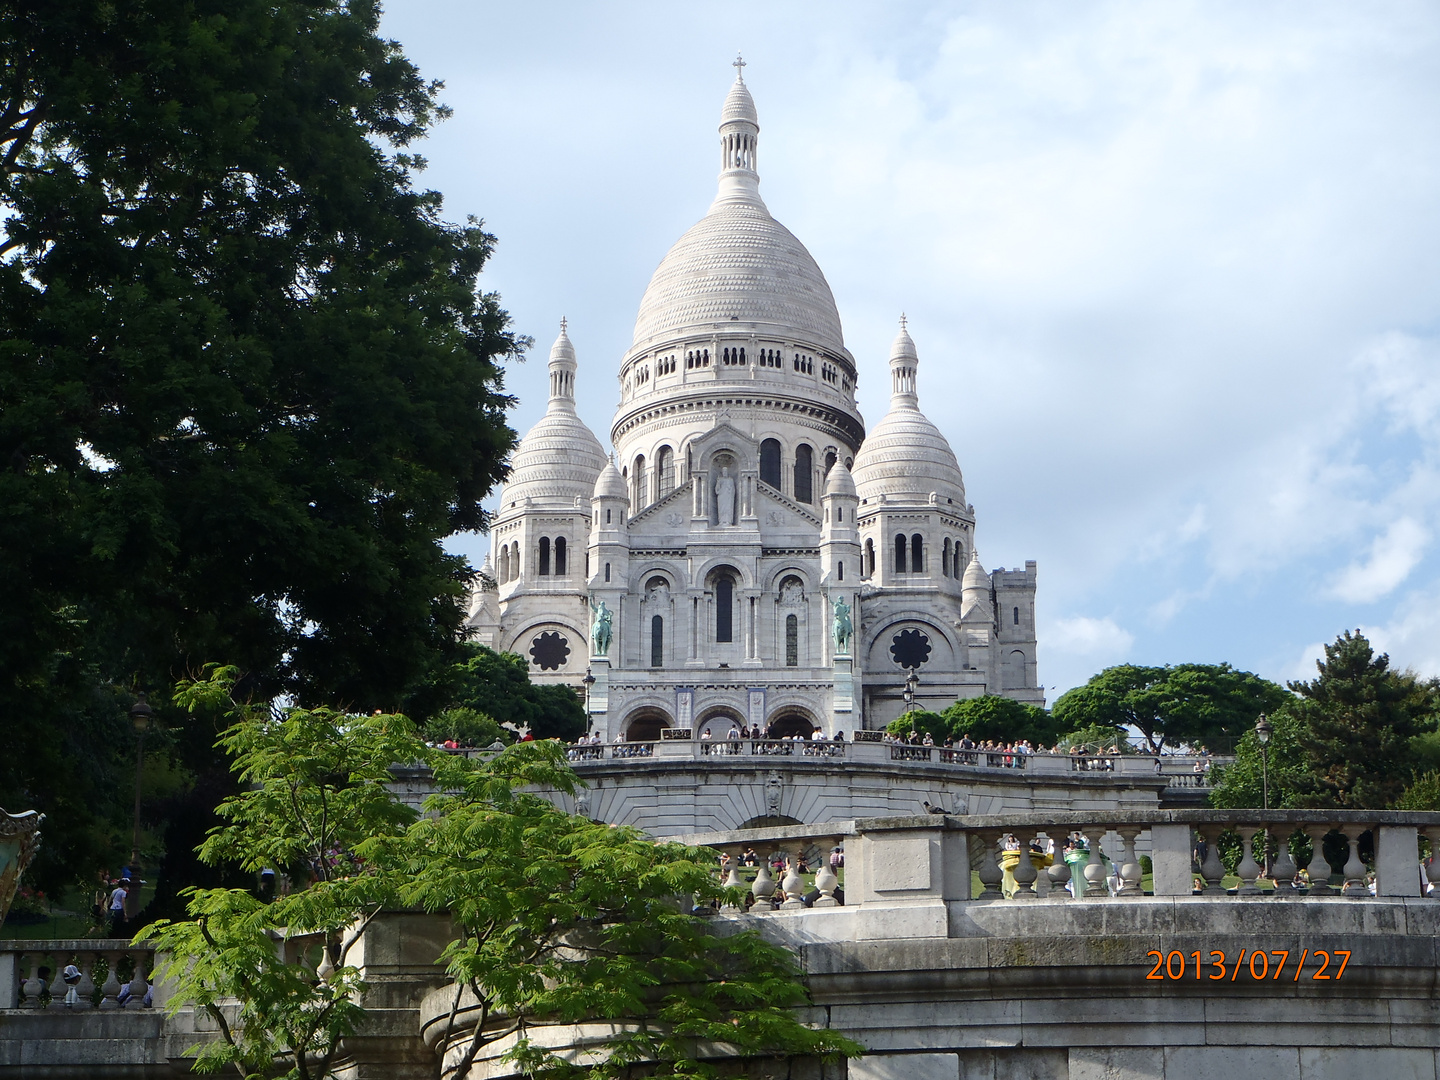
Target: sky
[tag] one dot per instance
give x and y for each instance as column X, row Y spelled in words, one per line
column 1173, row 272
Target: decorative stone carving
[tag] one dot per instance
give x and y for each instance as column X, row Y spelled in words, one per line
column 725, row 497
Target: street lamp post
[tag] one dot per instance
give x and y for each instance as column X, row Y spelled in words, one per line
column 1263, row 731
column 140, row 714
column 912, row 683
column 589, row 681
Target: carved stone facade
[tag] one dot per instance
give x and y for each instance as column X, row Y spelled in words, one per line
column 757, row 557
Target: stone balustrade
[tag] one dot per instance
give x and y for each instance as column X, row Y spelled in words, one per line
column 892, row 860
column 1177, row 770
column 32, row 974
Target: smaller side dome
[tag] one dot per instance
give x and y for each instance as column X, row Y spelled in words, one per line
column 975, row 575
column 610, row 484
column 840, row 482
column 975, row 593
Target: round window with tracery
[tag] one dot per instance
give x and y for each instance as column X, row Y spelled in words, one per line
column 910, row 648
column 549, row 651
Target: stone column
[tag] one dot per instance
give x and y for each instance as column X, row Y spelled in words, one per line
column 1283, row 869
column 1249, row 869
column 1130, row 874
column 1354, row 871
column 1095, row 888
column 1319, row 868
column 1213, row 867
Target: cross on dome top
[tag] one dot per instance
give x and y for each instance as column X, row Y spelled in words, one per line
column 739, row 64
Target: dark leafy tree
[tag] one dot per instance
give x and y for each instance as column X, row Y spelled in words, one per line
column 1357, row 722
column 247, row 382
column 1206, row 706
column 498, row 685
column 1240, row 784
column 1001, row 719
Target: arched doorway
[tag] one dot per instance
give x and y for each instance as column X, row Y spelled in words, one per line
column 645, row 725
column 719, row 721
column 789, row 724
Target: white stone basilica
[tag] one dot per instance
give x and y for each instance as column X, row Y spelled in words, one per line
column 713, row 576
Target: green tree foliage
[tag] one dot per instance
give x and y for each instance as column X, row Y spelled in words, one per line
column 1001, row 719
column 1358, row 722
column 468, row 728
column 247, row 382
column 921, row 720
column 1095, row 737
column 1240, row 784
column 555, row 917
column 1423, row 794
column 498, row 685
column 1202, row 705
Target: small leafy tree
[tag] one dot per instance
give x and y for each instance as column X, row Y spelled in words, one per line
column 1240, row 784
column 921, row 720
column 556, row 917
column 498, row 685
column 1001, row 719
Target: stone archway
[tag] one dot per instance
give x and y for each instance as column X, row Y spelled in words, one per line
column 645, row 724
column 790, row 723
column 719, row 720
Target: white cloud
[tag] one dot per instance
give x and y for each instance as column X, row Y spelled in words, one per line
column 1391, row 558
column 1097, row 640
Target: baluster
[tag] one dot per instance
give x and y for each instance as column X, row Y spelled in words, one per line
column 1024, row 872
column 1095, row 888
column 826, row 880
column 763, row 886
column 732, row 881
column 1318, row 869
column 991, row 876
column 1212, row 867
column 58, row 988
column 1355, row 886
column 32, row 987
column 139, row 984
column 1130, row 872
column 1284, row 870
column 86, row 989
column 1059, row 873
column 111, row 987
column 1249, row 869
column 793, row 883
column 1432, row 868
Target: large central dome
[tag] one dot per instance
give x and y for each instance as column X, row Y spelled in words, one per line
column 738, row 264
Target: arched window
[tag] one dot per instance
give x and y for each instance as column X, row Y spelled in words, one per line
column 945, row 559
column 665, row 470
column 917, row 554
column 804, row 473
column 607, row 571
column 515, row 560
column 607, row 515
column 770, row 463
column 899, row 553
column 560, row 556
column 869, row 558
column 637, row 480
column 792, row 641
column 840, row 570
column 657, row 641
column 544, row 556
column 1017, row 616
column 724, row 608
column 959, row 559
column 504, row 567
column 829, row 461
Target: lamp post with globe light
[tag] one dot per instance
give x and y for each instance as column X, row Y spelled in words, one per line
column 912, row 684
column 1263, row 731
column 589, row 682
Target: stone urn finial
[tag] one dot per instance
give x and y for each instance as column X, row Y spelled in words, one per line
column 19, row 840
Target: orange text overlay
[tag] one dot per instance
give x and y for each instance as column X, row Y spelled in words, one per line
column 1252, row 964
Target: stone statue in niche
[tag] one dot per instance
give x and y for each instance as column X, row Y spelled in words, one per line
column 844, row 629
column 600, row 628
column 725, row 497
column 658, row 593
column 792, row 593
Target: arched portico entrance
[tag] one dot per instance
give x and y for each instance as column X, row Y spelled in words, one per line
column 718, row 721
column 645, row 725
column 790, row 723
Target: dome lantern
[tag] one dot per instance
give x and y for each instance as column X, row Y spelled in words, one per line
column 904, row 361
column 562, row 370
column 739, row 144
